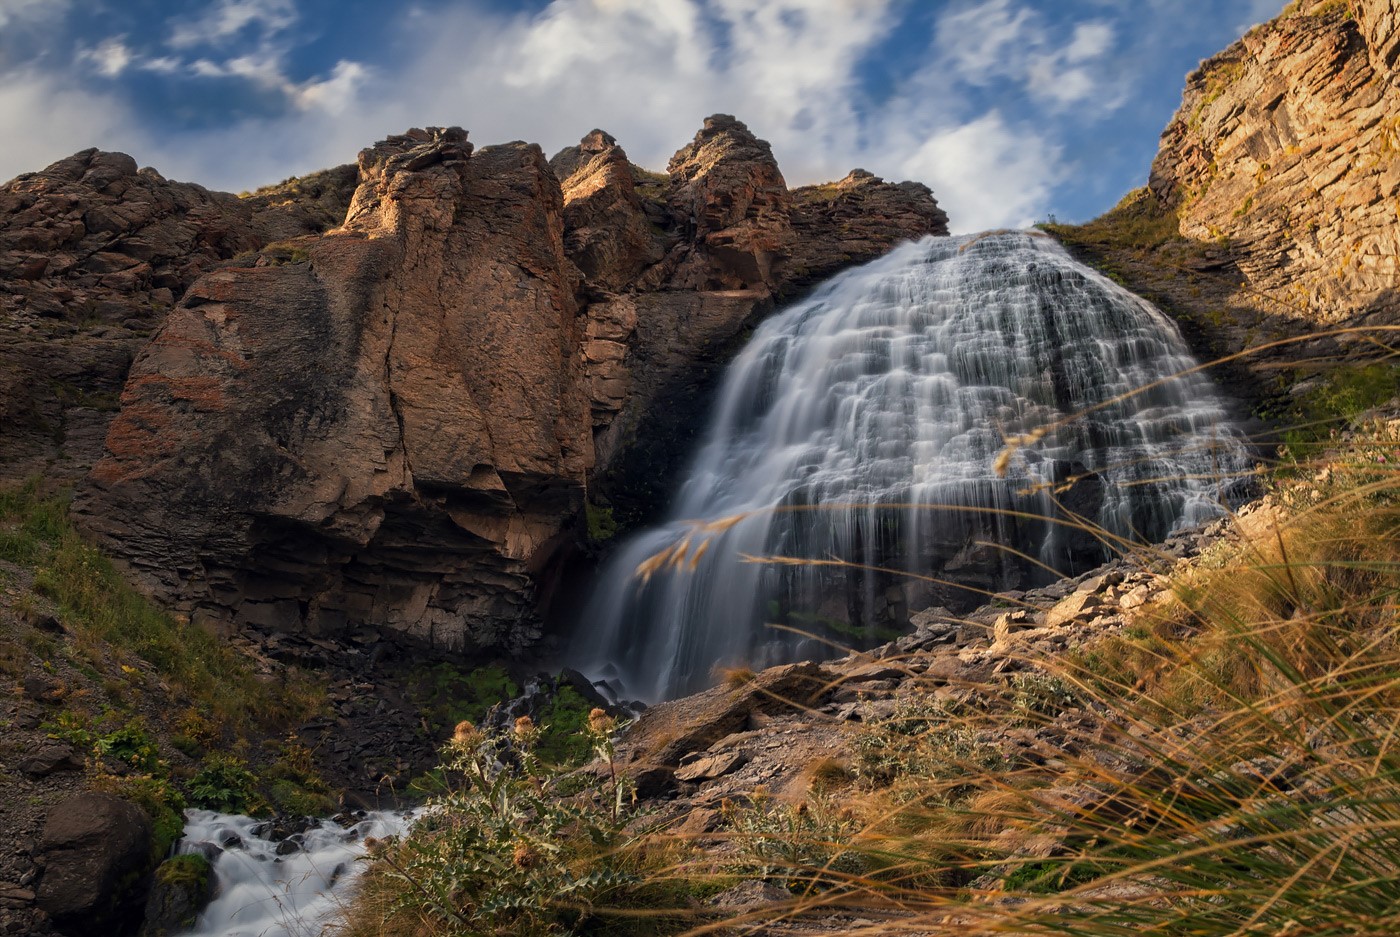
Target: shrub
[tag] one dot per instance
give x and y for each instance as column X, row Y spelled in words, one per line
column 502, row 854
column 224, row 783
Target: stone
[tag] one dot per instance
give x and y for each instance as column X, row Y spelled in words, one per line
column 49, row 759
column 1071, row 608
column 710, row 767
column 183, row 888
column 95, row 851
column 14, row 896
column 667, row 732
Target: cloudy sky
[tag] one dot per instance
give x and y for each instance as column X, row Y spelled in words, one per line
column 1012, row 110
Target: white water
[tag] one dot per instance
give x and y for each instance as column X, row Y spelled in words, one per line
column 898, row 383
column 262, row 894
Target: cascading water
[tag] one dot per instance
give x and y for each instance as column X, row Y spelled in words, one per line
column 865, row 424
column 269, row 887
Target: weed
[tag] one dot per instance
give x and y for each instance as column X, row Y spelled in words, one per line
column 499, row 855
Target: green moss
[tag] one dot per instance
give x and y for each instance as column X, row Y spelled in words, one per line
column 190, row 871
column 602, row 526
column 563, row 740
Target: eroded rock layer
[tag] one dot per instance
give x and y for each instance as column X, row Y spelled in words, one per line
column 395, row 423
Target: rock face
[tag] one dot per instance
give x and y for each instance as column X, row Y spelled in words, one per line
column 96, row 853
column 1286, row 144
column 93, row 253
column 384, row 429
column 394, row 423
column 733, row 241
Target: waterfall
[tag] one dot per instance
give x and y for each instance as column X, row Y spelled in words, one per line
column 271, row 885
column 865, row 424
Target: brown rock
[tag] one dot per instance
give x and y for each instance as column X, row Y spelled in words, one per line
column 365, row 454
column 668, row 732
column 96, row 853
column 1284, row 145
column 94, row 251
column 49, row 759
column 711, row 766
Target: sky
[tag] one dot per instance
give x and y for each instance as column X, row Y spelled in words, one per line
column 1013, row 111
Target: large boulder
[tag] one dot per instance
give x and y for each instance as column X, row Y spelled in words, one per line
column 95, row 851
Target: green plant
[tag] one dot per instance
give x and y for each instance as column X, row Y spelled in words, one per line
column 807, row 845
column 448, row 694
column 157, row 796
column 224, row 783
column 499, row 855
column 131, row 745
column 102, row 611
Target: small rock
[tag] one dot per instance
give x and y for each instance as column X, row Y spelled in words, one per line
column 715, row 766
column 48, row 759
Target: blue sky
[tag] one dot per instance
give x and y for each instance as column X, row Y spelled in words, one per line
column 1012, row 110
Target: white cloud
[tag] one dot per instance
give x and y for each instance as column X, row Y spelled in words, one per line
column 335, row 94
column 228, row 18
column 647, row 71
column 20, row 11
column 110, row 58
column 1001, row 39
column 57, row 120
column 988, row 171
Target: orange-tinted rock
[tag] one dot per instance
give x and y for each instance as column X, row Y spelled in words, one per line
column 1285, row 144
column 383, row 431
column 93, row 253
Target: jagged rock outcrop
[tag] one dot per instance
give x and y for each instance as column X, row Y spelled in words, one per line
column 1286, row 145
column 93, row 254
column 733, row 242
column 394, row 423
column 384, row 429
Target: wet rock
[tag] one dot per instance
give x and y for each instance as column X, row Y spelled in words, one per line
column 183, row 887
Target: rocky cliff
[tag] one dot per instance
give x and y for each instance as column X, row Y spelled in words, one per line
column 1287, row 149
column 93, row 254
column 397, row 421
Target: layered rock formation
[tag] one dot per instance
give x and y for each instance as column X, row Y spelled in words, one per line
column 394, row 423
column 1287, row 147
column 93, row 254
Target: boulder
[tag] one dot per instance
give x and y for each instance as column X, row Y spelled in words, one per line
column 95, row 851
column 183, row 887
